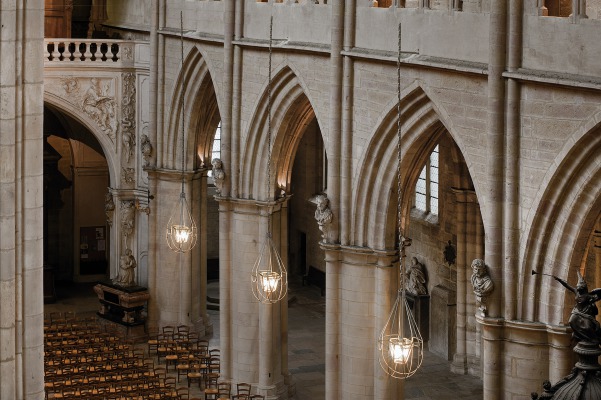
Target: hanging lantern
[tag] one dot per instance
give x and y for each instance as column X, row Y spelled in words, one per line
column 400, row 344
column 181, row 228
column 269, row 278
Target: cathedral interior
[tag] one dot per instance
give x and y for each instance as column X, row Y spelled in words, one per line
column 300, row 199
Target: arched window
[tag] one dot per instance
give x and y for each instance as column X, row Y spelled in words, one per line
column 216, row 150
column 426, row 189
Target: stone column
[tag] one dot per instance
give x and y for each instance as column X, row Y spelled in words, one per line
column 171, row 295
column 198, row 308
column 225, row 284
column 334, row 143
column 353, row 284
column 283, row 305
column 387, row 285
column 493, row 197
column 492, row 355
column 228, row 95
column 271, row 379
column 332, row 321
column 153, row 253
column 475, row 249
column 459, row 365
column 21, row 200
column 254, row 328
column 346, row 125
column 579, row 9
column 512, row 167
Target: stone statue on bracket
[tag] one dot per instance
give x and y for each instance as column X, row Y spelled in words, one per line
column 323, row 214
column 127, row 270
column 483, row 285
column 109, row 207
column 218, row 174
column 416, row 282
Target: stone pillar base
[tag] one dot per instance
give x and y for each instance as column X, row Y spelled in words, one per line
column 459, row 364
column 203, row 327
column 279, row 391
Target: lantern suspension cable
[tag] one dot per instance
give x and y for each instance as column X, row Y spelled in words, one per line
column 400, row 344
column 269, row 277
column 181, row 228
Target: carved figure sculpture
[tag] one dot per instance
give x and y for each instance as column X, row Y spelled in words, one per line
column 127, row 219
column 582, row 320
column 416, row 278
column 99, row 107
column 323, row 214
column 218, row 174
column 127, row 270
column 128, row 144
column 146, row 148
column 483, row 285
column 109, row 207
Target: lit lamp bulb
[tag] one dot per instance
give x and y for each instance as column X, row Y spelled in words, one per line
column 269, row 281
column 181, row 228
column 400, row 349
column 181, row 233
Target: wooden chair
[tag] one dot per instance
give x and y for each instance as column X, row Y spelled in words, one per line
column 183, row 393
column 195, row 373
column 225, row 390
column 171, row 359
column 243, row 389
column 183, row 365
column 169, row 331
column 160, row 372
column 211, row 389
column 214, row 368
column 152, row 342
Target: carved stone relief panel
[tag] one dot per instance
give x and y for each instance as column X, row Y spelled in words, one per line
column 128, row 175
column 94, row 96
column 128, row 115
column 98, row 102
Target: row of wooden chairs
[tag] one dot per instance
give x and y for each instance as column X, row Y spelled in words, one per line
column 83, row 361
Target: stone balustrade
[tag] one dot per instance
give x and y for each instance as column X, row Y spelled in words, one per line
column 114, row 52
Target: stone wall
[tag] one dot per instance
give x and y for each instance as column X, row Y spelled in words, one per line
column 22, row 195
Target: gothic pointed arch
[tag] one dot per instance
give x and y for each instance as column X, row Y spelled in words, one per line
column 559, row 225
column 291, row 112
column 422, row 127
column 201, row 115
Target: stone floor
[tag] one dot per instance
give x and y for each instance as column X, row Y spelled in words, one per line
column 306, row 322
